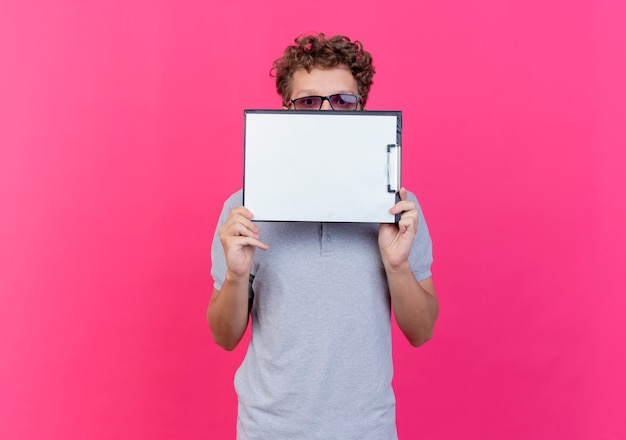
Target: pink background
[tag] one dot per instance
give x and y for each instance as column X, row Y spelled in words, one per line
column 121, row 134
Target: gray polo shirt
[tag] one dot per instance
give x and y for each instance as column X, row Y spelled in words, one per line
column 319, row 363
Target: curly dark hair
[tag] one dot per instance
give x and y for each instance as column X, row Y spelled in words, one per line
column 317, row 51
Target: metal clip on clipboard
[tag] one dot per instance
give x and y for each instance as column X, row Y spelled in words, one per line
column 393, row 172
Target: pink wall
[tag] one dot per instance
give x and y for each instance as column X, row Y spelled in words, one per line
column 121, row 134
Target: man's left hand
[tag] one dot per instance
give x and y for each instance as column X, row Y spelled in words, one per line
column 395, row 241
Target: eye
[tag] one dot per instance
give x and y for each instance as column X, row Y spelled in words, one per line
column 344, row 102
column 308, row 103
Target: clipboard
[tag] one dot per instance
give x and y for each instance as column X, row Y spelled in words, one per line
column 322, row 166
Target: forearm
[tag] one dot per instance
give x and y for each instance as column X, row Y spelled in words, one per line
column 228, row 312
column 415, row 304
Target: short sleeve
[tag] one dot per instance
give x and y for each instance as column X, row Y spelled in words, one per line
column 218, row 259
column 421, row 257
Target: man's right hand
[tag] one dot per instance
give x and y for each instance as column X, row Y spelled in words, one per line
column 240, row 238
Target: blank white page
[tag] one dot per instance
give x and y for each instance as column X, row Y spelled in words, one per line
column 322, row 166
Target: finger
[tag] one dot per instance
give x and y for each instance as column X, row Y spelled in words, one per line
column 403, row 206
column 239, row 227
column 239, row 216
column 403, row 194
column 243, row 214
column 243, row 211
column 407, row 224
column 244, row 229
column 243, row 241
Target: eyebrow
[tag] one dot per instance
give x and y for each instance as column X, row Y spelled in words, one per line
column 307, row 92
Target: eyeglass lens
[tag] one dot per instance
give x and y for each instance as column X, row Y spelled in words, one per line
column 341, row 101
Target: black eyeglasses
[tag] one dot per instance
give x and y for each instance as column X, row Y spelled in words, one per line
column 340, row 101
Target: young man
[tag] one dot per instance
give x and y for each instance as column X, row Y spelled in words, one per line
column 319, row 363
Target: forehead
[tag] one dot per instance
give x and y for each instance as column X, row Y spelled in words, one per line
column 323, row 82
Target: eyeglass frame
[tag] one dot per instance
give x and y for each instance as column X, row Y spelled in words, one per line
column 359, row 99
